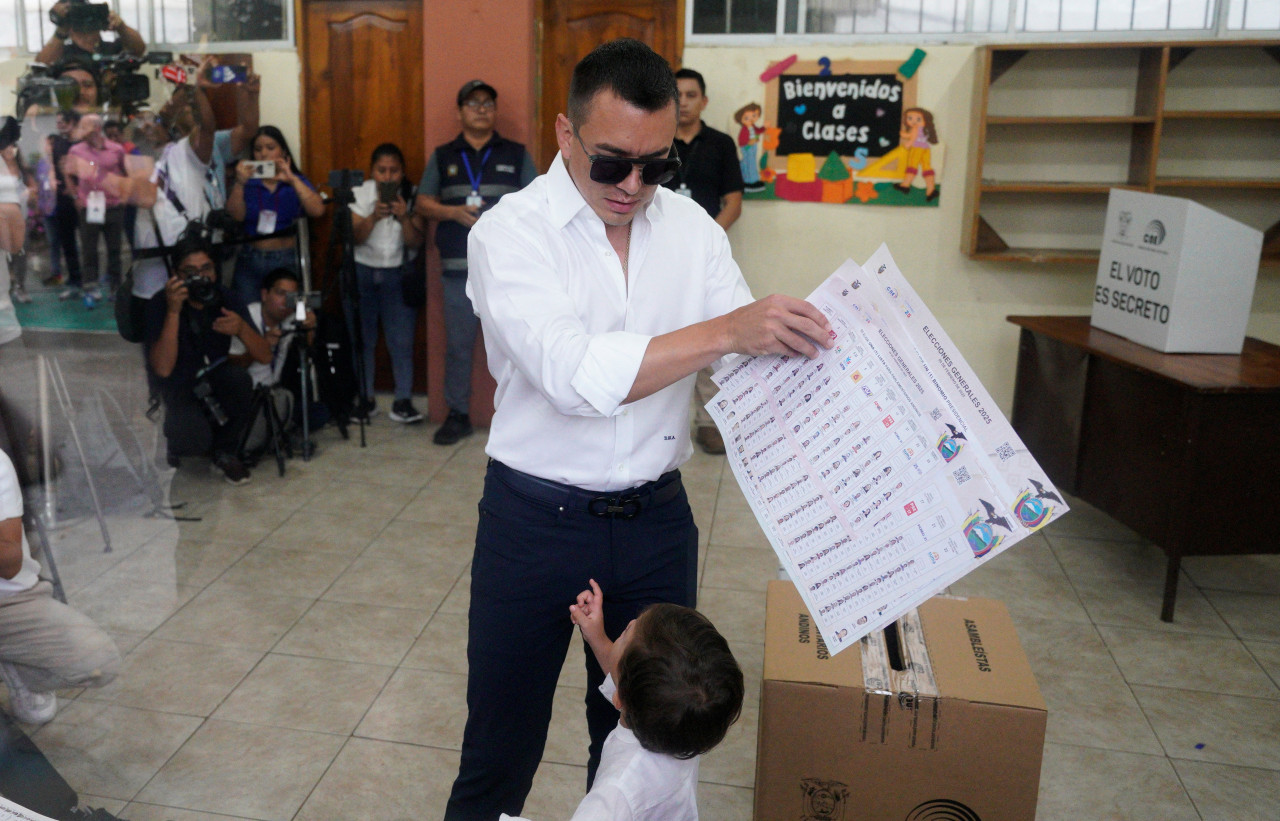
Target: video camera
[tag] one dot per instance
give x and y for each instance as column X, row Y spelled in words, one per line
column 122, row 84
column 42, row 86
column 82, row 15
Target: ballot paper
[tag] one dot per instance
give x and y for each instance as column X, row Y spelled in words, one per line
column 881, row 471
column 10, row 811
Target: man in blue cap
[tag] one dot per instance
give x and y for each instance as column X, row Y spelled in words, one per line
column 464, row 177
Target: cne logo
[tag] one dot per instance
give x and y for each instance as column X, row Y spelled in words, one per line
column 1154, row 233
column 823, row 800
column 942, row 809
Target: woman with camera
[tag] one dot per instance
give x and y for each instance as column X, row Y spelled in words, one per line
column 270, row 194
column 386, row 242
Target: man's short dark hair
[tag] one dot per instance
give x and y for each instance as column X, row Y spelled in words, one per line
column 690, row 74
column 680, row 687
column 628, row 68
column 191, row 242
column 279, row 274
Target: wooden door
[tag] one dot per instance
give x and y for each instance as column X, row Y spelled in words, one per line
column 572, row 28
column 362, row 86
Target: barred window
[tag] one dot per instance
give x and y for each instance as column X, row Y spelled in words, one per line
column 25, row 24
column 989, row 19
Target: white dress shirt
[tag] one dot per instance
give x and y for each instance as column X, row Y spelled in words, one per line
column 633, row 784
column 565, row 330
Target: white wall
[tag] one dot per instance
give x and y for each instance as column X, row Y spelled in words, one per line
column 791, row 247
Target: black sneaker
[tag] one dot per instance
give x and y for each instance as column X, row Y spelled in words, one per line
column 455, row 427
column 232, row 469
column 403, row 411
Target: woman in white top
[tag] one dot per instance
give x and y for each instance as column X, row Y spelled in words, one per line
column 13, row 222
column 383, row 229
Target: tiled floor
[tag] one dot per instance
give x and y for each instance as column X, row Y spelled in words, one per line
column 299, row 652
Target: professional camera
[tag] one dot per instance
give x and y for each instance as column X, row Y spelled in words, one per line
column 42, row 86
column 122, row 83
column 204, row 392
column 82, row 16
column 202, row 290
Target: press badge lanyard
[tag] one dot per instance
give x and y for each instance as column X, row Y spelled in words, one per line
column 474, row 177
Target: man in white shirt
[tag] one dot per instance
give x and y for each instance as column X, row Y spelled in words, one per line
column 189, row 179
column 600, row 295
column 44, row 644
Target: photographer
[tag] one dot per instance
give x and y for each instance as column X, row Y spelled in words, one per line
column 189, row 329
column 275, row 317
column 268, row 203
column 184, row 188
column 78, row 33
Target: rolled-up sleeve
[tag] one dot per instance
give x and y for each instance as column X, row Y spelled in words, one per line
column 526, row 310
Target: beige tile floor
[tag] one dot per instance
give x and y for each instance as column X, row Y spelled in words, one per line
column 299, row 652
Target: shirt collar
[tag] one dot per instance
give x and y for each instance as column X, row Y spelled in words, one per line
column 702, row 132
column 566, row 201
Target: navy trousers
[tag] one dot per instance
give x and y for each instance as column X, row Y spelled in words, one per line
column 534, row 554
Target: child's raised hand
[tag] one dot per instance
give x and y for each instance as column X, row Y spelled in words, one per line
column 588, row 612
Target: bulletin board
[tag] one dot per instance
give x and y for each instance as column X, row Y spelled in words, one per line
column 840, row 131
column 806, row 102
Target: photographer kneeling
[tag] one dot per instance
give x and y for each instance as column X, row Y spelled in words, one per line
column 190, row 325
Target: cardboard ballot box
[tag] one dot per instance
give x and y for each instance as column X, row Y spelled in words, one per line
column 958, row 733
column 1174, row 275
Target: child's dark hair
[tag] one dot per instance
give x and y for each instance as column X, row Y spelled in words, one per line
column 680, row 687
column 387, row 150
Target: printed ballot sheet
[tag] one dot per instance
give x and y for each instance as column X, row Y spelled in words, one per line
column 881, row 471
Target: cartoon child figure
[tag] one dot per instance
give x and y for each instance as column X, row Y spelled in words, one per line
column 918, row 136
column 749, row 141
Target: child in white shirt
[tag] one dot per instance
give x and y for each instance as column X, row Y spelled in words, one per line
column 679, row 690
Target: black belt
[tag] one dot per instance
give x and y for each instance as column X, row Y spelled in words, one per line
column 618, row 504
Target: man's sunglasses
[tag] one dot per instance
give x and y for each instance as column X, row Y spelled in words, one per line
column 610, row 170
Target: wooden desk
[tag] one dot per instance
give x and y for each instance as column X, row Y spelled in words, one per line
column 1183, row 448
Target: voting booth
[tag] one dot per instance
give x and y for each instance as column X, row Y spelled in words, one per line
column 1174, row 275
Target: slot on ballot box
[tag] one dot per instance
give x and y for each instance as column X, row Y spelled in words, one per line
column 937, row 716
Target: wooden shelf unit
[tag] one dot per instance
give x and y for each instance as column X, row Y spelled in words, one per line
column 1060, row 121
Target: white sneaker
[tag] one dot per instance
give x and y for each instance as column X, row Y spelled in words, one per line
column 26, row 706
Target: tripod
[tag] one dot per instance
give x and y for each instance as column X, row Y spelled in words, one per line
column 264, row 404
column 342, row 250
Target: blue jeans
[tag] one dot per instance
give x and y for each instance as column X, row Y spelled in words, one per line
column 533, row 556
column 381, row 297
column 253, row 265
